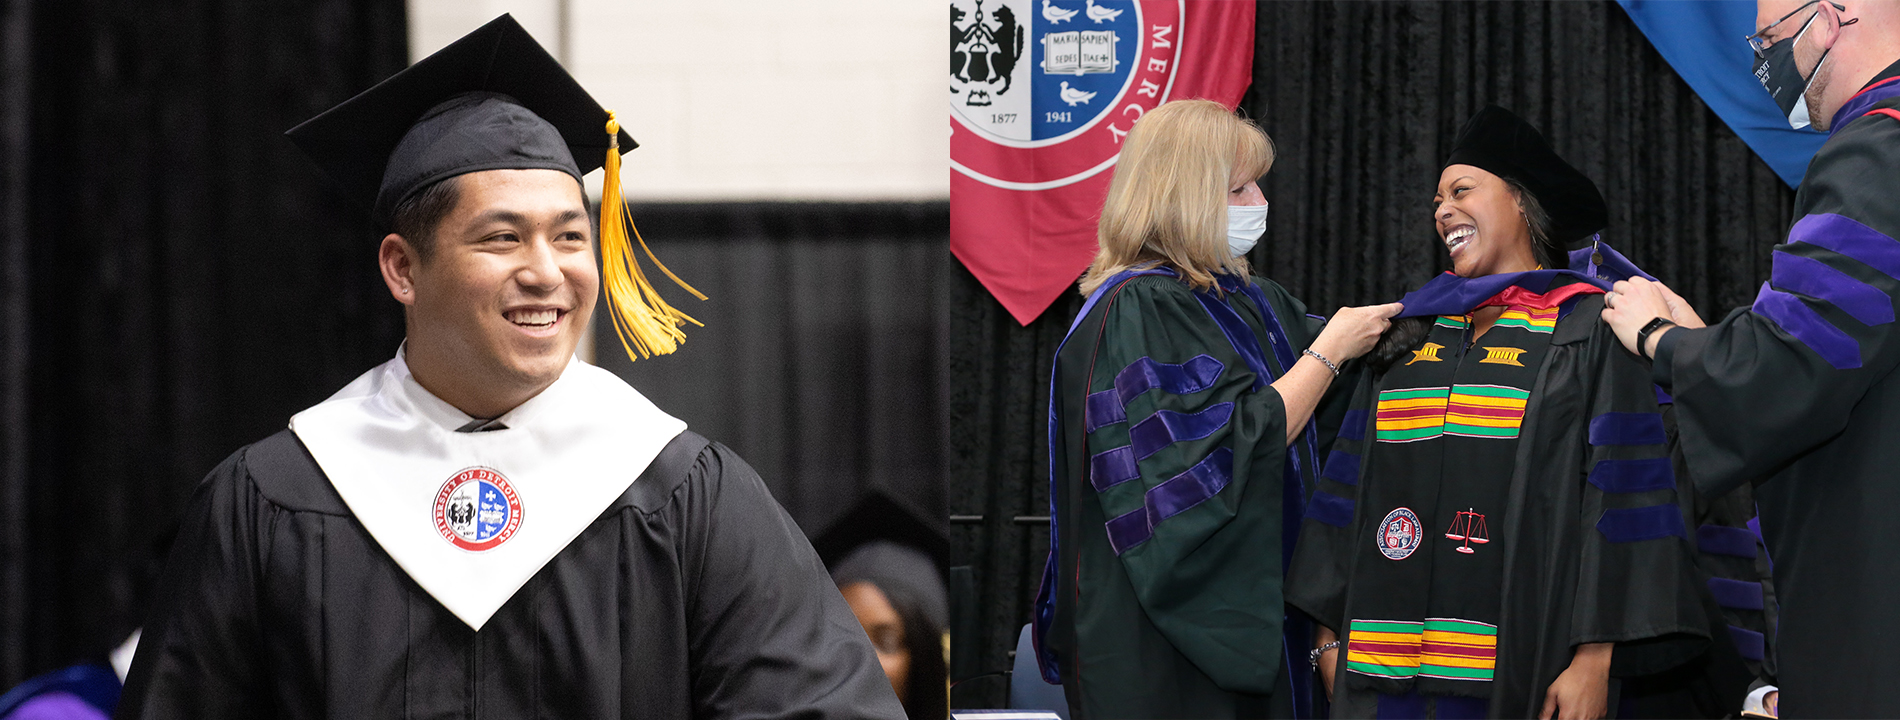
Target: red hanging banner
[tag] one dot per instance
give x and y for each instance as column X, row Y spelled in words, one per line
column 1041, row 94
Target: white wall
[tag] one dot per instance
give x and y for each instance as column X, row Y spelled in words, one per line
column 748, row 99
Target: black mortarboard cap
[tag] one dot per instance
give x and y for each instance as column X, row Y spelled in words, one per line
column 1503, row 144
column 494, row 99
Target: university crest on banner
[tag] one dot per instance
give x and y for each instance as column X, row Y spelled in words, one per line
column 1042, row 92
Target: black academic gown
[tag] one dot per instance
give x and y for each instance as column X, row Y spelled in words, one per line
column 1571, row 573
column 693, row 595
column 1797, row 394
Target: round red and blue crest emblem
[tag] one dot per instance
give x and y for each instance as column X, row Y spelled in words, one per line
column 1399, row 534
column 477, row 509
column 1049, row 88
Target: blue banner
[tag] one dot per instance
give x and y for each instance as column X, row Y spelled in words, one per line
column 1704, row 42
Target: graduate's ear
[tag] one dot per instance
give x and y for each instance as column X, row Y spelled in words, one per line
column 399, row 261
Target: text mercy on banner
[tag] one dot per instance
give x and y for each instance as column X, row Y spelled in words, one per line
column 1042, row 92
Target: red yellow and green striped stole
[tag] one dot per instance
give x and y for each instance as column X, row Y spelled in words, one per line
column 1446, row 648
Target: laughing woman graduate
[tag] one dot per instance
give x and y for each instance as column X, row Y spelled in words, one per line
column 1181, row 438
column 1497, row 530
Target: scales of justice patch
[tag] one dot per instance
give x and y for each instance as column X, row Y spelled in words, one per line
column 1399, row 534
column 477, row 509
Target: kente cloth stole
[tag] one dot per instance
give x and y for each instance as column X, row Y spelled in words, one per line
column 1428, row 566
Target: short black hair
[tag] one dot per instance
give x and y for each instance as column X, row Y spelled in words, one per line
column 419, row 215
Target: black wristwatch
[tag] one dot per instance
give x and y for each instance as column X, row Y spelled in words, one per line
column 1642, row 336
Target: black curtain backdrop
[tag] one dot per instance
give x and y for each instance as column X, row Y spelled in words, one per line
column 822, row 359
column 178, row 278
column 1362, row 100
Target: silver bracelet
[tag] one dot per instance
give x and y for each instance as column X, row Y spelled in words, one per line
column 1322, row 358
column 1312, row 657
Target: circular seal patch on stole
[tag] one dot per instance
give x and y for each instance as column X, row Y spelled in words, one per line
column 477, row 509
column 1399, row 534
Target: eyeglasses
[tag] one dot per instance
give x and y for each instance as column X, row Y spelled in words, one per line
column 1761, row 44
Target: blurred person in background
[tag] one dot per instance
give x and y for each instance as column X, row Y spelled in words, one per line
column 898, row 594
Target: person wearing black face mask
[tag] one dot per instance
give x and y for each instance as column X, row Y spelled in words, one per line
column 1797, row 393
column 1778, row 71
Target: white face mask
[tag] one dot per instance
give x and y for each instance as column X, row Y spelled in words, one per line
column 1245, row 225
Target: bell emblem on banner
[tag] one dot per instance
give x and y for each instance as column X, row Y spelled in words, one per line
column 1469, row 527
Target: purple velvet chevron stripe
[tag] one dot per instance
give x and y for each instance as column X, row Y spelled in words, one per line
column 1633, row 476
column 1167, row 427
column 1813, row 278
column 1186, row 490
column 1731, row 541
column 1110, row 406
column 1624, row 525
column 1112, row 467
column 1748, row 643
column 1736, row 594
column 1662, row 398
column 1172, row 497
column 1354, row 426
column 1627, row 428
column 1103, row 409
column 1847, row 236
column 1128, row 530
column 1836, row 347
column 1329, row 508
column 1342, row 467
column 1195, row 375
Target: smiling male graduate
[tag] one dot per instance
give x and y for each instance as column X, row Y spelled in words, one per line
column 485, row 526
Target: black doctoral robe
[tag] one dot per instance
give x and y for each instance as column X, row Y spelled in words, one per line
column 1592, row 545
column 693, row 595
column 1797, row 394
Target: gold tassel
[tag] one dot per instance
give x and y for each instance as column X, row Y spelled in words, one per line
column 646, row 324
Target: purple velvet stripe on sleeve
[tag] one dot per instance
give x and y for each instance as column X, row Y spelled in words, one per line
column 1170, row 498
column 1662, row 398
column 1736, row 594
column 1633, row 476
column 1794, row 316
column 1354, row 426
column 1110, row 406
column 1329, row 508
column 1342, row 467
column 1730, row 541
column 1112, row 467
column 1103, row 409
column 1195, row 375
column 1627, row 428
column 1623, row 525
column 1167, row 427
column 1186, row 490
column 1128, row 530
column 1748, row 643
column 1848, row 237
column 1815, row 279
